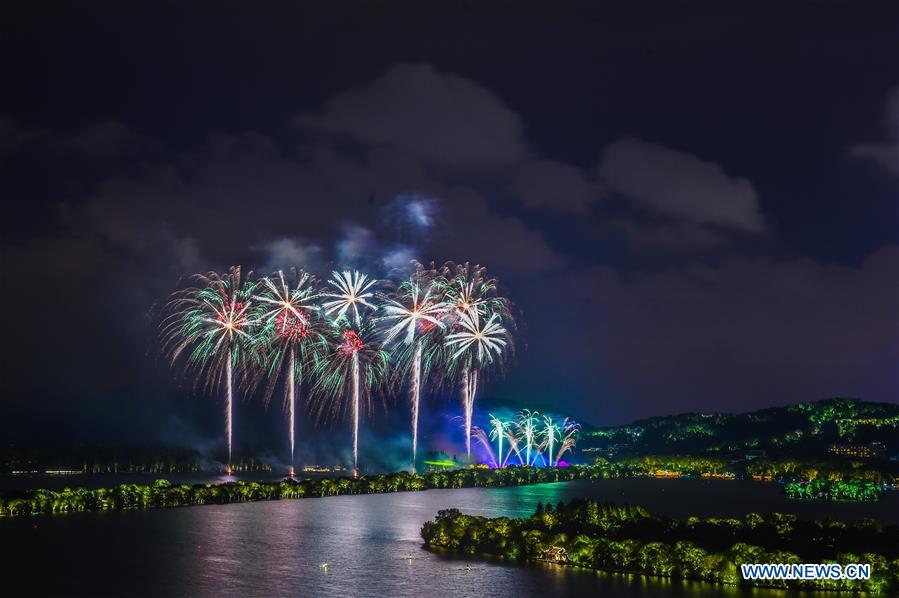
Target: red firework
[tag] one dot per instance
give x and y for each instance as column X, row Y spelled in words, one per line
column 427, row 325
column 291, row 327
column 351, row 343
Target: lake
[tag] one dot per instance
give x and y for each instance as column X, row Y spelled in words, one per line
column 275, row 548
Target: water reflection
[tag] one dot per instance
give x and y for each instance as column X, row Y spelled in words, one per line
column 276, row 548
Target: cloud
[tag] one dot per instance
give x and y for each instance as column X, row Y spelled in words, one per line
column 758, row 331
column 286, row 252
column 102, row 139
column 680, row 186
column 440, row 117
column 663, row 234
column 105, row 138
column 885, row 154
column 555, row 186
column 13, row 136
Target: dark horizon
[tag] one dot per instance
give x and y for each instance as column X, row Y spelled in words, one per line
column 691, row 213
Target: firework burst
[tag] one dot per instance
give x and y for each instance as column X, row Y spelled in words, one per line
column 211, row 322
column 528, row 425
column 473, row 347
column 568, row 432
column 293, row 335
column 356, row 365
column 412, row 314
column 353, row 293
column 499, row 431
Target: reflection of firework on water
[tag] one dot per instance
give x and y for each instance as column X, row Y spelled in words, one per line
column 411, row 314
column 211, row 322
column 293, row 334
column 355, row 367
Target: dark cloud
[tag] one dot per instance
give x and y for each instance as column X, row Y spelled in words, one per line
column 439, row 117
column 666, row 234
column 104, row 139
column 552, row 185
column 885, row 154
column 680, row 185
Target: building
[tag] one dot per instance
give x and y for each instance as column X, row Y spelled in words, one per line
column 873, row 450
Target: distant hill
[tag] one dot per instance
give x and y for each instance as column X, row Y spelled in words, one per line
column 803, row 429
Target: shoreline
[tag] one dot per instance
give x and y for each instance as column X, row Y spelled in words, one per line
column 165, row 494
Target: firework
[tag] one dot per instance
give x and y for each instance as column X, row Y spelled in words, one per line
column 355, row 366
column 528, row 425
column 551, row 434
column 412, row 313
column 481, row 436
column 292, row 332
column 470, row 289
column 568, row 432
column 211, row 322
column 474, row 346
column 353, row 293
column 499, row 430
column 477, row 335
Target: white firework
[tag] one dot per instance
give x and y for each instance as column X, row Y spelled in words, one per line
column 419, row 309
column 282, row 301
column 479, row 342
column 464, row 297
column 485, row 340
column 285, row 308
column 354, row 290
column 416, row 309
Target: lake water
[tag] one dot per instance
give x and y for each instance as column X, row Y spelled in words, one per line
column 275, row 548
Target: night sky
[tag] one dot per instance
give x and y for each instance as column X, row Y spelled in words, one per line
column 692, row 205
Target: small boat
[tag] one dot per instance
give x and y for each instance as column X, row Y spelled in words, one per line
column 325, row 566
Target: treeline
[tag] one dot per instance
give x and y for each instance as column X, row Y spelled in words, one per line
column 590, row 534
column 136, row 459
column 164, row 494
column 844, row 477
column 829, row 490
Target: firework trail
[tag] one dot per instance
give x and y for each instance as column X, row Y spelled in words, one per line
column 476, row 335
column 412, row 313
column 481, row 436
column 211, row 322
column 357, row 364
column 293, row 334
column 568, row 433
column 476, row 344
column 551, row 433
column 498, row 431
column 527, row 424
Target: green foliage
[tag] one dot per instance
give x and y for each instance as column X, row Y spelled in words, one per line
column 627, row 538
column 806, row 427
column 818, row 489
column 164, row 494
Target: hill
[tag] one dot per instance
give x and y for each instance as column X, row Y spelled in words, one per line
column 805, row 429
